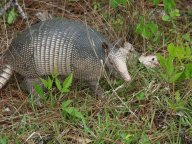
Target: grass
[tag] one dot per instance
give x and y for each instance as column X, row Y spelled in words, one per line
column 147, row 110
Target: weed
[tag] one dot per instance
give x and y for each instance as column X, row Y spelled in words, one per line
column 116, row 3
column 48, row 85
column 177, row 65
column 148, row 30
column 11, row 16
column 3, row 140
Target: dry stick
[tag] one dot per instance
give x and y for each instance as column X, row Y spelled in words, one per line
column 10, row 4
column 19, row 9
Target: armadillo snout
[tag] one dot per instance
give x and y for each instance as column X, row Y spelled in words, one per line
column 120, row 65
column 127, row 78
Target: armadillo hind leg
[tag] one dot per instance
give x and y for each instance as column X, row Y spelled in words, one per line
column 94, row 85
column 29, row 86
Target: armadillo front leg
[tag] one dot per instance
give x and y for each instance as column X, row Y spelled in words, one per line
column 94, row 85
column 30, row 82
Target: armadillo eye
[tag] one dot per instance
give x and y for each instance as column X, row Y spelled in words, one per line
column 110, row 62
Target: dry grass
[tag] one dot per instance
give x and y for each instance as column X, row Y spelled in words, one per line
column 108, row 119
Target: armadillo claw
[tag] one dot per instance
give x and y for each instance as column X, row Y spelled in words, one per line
column 94, row 85
column 99, row 93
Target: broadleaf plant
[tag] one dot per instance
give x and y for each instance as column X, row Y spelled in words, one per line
column 11, row 16
column 115, row 3
column 48, row 85
column 148, row 30
column 177, row 65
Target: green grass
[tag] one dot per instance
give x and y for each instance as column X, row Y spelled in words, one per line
column 148, row 110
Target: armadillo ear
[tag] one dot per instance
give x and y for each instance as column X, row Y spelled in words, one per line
column 119, row 43
column 105, row 47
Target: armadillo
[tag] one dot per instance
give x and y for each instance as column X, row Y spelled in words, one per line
column 64, row 45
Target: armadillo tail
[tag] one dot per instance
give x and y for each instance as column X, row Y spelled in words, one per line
column 5, row 74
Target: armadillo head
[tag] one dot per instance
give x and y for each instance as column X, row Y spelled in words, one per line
column 117, row 58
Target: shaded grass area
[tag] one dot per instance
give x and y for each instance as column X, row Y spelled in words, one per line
column 147, row 110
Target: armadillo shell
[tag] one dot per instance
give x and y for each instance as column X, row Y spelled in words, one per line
column 60, row 45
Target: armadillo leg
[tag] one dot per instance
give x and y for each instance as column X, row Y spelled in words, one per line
column 30, row 82
column 94, row 85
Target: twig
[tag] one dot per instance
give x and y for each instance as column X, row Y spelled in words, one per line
column 19, row 9
column 10, row 4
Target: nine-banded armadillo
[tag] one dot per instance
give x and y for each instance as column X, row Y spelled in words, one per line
column 65, row 46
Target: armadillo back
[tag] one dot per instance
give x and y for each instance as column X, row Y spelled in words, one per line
column 62, row 45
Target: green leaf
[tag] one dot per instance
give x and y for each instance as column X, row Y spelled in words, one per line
column 187, row 51
column 64, row 90
column 188, row 71
column 169, row 66
column 74, row 112
column 139, row 28
column 38, row 89
column 174, row 13
column 153, row 27
column 141, row 96
column 50, row 83
column 180, row 53
column 12, row 15
column 65, row 104
column 171, row 49
column 166, row 18
column 78, row 114
column 146, row 33
column 186, row 37
column 123, row 2
column 54, row 75
column 164, row 76
column 3, row 140
column 67, row 83
column 169, row 5
column 70, row 110
column 147, row 30
column 177, row 96
column 155, row 2
column 175, row 77
column 45, row 82
column 144, row 139
column 58, row 84
column 161, row 60
column 115, row 3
